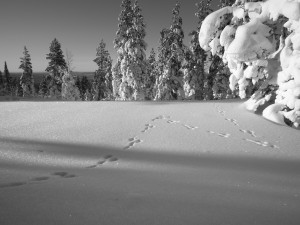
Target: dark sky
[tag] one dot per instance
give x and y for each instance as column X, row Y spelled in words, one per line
column 79, row 25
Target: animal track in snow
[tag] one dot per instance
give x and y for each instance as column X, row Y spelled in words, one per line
column 132, row 142
column 252, row 133
column 63, row 175
column 36, row 179
column 148, row 127
column 161, row 117
column 262, row 143
column 224, row 135
column 173, row 121
column 40, row 178
column 102, row 160
column 12, row 184
column 190, row 127
column 234, row 121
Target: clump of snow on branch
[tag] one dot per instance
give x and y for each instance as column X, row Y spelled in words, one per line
column 260, row 42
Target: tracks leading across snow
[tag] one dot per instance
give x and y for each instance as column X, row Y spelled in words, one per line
column 255, row 139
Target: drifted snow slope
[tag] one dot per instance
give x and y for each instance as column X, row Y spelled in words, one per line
column 145, row 163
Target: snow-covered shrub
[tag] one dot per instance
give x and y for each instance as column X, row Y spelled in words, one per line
column 251, row 38
column 69, row 91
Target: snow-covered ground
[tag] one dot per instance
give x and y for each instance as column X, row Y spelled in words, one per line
column 146, row 163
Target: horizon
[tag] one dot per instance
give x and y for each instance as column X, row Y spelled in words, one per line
column 79, row 27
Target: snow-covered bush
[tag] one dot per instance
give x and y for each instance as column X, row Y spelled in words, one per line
column 69, row 91
column 260, row 42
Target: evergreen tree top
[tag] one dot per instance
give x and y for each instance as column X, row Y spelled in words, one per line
column 6, row 72
column 103, row 59
column 176, row 26
column 125, row 22
column 26, row 61
column 56, row 57
column 203, row 9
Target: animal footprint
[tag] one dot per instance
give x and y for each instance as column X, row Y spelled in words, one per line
column 173, row 121
column 161, row 117
column 252, row 133
column 40, row 178
column 148, row 127
column 224, row 135
column 234, row 121
column 190, row 127
column 262, row 143
column 13, row 184
column 104, row 159
column 132, row 142
column 63, row 175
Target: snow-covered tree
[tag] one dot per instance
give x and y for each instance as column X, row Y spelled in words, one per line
column 26, row 79
column 43, row 86
column 152, row 75
column 1, row 84
column 131, row 49
column 247, row 35
column 56, row 68
column 102, row 84
column 116, row 80
column 195, row 59
column 169, row 85
column 125, row 23
column 69, row 91
column 7, row 79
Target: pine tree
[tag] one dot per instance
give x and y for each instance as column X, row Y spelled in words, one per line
column 56, row 68
column 217, row 81
column 195, row 58
column 170, row 82
column 116, row 80
column 7, row 80
column 1, row 84
column 26, row 80
column 85, row 85
column 44, row 86
column 131, row 49
column 102, row 84
column 152, row 75
column 70, row 91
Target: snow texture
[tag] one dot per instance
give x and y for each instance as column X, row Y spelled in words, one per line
column 174, row 163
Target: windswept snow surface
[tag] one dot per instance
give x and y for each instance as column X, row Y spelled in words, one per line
column 146, row 163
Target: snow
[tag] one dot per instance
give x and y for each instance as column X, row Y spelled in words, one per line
column 211, row 26
column 145, row 163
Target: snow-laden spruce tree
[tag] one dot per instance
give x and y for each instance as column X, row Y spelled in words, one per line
column 69, row 90
column 131, row 49
column 169, row 85
column 26, row 79
column 102, row 84
column 116, row 80
column 56, row 68
column 1, row 84
column 7, row 80
column 195, row 58
column 260, row 42
column 152, row 75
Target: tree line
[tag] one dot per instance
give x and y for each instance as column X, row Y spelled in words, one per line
column 174, row 72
